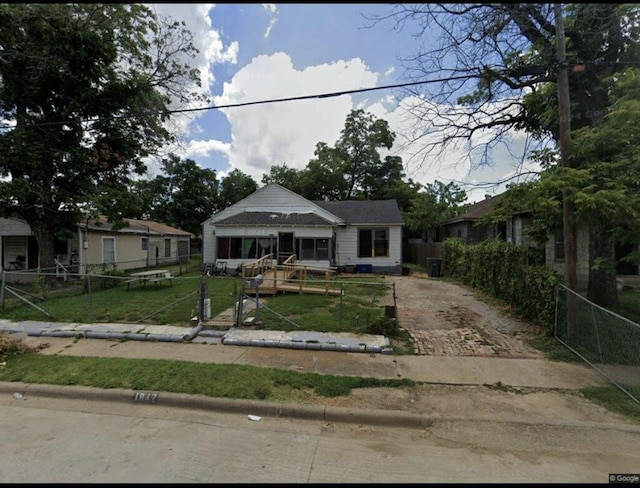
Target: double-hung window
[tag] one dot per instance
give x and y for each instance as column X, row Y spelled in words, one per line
column 373, row 243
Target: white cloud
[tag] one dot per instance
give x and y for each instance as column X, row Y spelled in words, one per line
column 211, row 49
column 273, row 17
column 458, row 162
column 287, row 132
column 264, row 135
column 202, row 148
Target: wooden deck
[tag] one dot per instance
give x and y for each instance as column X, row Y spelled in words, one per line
column 293, row 278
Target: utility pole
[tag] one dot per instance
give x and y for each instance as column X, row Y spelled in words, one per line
column 564, row 113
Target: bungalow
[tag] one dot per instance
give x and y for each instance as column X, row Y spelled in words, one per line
column 95, row 242
column 360, row 236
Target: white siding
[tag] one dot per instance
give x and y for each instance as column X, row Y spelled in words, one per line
column 208, row 243
column 347, row 248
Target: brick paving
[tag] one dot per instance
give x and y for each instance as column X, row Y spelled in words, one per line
column 472, row 340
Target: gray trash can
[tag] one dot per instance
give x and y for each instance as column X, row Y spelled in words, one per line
column 434, row 266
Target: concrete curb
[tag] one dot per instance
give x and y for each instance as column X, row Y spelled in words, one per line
column 390, row 418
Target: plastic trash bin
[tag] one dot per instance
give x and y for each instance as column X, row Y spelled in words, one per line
column 434, row 266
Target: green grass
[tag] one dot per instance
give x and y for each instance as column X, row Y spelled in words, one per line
column 109, row 300
column 615, row 400
column 215, row 380
column 552, row 349
column 629, row 305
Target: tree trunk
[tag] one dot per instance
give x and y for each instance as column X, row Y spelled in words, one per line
column 44, row 232
column 602, row 288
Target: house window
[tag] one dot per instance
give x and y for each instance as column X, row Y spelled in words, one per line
column 249, row 247
column 313, row 249
column 108, row 250
column 167, row 248
column 373, row 243
column 559, row 246
column 322, row 249
column 144, row 243
column 245, row 247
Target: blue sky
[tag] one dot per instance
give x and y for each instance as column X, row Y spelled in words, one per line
column 254, row 52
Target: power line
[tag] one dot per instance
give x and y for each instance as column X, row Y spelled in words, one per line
column 323, row 95
column 258, row 102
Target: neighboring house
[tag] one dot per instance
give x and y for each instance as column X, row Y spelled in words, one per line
column 349, row 235
column 18, row 246
column 467, row 227
column 94, row 243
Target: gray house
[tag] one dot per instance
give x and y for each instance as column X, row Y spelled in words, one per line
column 360, row 236
column 469, row 227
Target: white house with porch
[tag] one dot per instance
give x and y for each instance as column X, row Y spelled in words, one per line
column 351, row 236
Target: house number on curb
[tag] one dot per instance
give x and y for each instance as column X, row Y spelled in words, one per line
column 138, row 396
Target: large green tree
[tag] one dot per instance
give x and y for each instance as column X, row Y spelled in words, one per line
column 284, row 176
column 434, row 204
column 236, row 186
column 604, row 189
column 85, row 90
column 183, row 196
column 354, row 168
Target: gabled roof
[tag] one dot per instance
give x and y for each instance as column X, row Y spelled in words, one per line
column 289, row 208
column 146, row 227
column 273, row 199
column 364, row 211
column 476, row 211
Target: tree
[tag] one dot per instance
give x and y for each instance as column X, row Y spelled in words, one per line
column 236, row 186
column 358, row 151
column 354, row 167
column 433, row 205
column 323, row 178
column 85, row 89
column 183, row 197
column 284, row 176
column 606, row 187
column 499, row 64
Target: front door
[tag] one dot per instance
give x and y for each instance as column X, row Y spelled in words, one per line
column 285, row 246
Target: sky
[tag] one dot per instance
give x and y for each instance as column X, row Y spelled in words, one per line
column 259, row 52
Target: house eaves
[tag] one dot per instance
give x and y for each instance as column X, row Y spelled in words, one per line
column 135, row 227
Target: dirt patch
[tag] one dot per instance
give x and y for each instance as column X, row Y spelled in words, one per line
column 487, row 402
column 444, row 319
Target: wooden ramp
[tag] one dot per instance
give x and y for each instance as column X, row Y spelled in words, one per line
column 293, row 278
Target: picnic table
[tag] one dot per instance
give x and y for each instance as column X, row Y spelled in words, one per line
column 156, row 276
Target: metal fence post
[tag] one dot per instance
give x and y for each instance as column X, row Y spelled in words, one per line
column 4, row 281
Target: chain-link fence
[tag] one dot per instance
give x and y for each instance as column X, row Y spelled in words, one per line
column 161, row 295
column 357, row 306
column 189, row 295
column 605, row 340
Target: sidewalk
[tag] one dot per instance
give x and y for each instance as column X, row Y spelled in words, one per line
column 334, row 354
